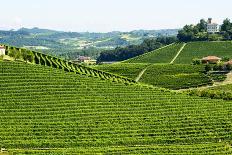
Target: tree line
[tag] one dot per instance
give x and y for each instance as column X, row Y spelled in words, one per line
column 198, row 32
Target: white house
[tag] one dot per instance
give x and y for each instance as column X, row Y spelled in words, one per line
column 2, row 50
column 212, row 27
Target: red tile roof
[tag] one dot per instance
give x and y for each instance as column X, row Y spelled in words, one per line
column 208, row 58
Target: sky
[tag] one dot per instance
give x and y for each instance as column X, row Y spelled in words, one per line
column 110, row 15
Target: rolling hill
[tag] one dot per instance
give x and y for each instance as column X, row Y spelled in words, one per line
column 161, row 55
column 202, row 49
column 49, row 106
column 189, row 52
column 44, row 110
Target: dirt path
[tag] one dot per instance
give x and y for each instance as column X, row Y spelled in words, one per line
column 178, row 53
column 140, row 74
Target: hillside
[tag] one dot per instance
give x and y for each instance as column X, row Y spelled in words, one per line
column 175, row 76
column 50, row 111
column 202, row 49
column 72, row 44
column 190, row 51
column 161, row 55
column 130, row 70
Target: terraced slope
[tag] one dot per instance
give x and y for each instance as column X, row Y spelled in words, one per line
column 162, row 55
column 175, row 76
column 49, row 111
column 130, row 70
column 201, row 49
column 34, row 57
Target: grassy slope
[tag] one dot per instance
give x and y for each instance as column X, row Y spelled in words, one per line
column 201, row 49
column 175, row 76
column 130, row 70
column 42, row 107
column 164, row 55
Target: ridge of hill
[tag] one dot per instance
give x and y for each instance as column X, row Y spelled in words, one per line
column 162, row 55
column 54, row 62
column 199, row 50
column 46, row 110
column 192, row 50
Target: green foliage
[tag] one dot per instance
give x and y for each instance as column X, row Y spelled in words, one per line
column 228, row 67
column 196, row 61
column 15, row 53
column 199, row 32
column 66, row 113
column 218, row 76
column 176, row 76
column 208, row 67
column 27, row 55
column 162, row 55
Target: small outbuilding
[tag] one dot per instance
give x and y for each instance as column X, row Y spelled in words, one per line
column 211, row 59
column 228, row 62
column 2, row 50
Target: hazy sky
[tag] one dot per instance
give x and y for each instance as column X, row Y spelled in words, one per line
column 109, row 15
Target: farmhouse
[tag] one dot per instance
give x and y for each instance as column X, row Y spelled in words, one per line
column 83, row 59
column 2, row 50
column 211, row 59
column 212, row 27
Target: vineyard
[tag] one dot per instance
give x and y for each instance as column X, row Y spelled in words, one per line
column 175, row 76
column 192, row 50
column 54, row 62
column 46, row 110
column 202, row 49
column 217, row 92
column 162, row 55
column 130, row 70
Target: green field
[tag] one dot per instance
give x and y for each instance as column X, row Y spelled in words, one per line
column 60, row 112
column 202, row 49
column 162, row 55
column 175, row 76
column 130, row 70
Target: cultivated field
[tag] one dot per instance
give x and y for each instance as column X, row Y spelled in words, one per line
column 162, row 55
column 44, row 110
column 130, row 70
column 202, row 49
column 175, row 76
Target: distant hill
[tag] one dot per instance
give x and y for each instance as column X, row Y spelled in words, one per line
column 71, row 44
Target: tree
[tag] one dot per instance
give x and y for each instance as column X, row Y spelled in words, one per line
column 27, row 55
column 16, row 54
column 202, row 26
column 208, row 68
column 227, row 25
column 196, row 61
